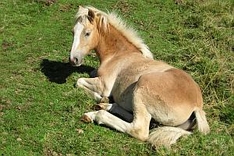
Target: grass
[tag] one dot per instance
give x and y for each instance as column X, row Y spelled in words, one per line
column 40, row 108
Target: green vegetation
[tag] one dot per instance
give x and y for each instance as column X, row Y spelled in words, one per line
column 40, row 109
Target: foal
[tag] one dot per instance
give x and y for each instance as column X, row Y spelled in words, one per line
column 143, row 89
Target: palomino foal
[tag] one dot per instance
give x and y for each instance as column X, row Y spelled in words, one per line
column 143, row 89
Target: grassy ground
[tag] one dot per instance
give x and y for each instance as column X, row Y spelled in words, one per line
column 40, row 108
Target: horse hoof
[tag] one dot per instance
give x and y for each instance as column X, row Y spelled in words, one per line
column 97, row 107
column 86, row 119
column 104, row 100
column 100, row 106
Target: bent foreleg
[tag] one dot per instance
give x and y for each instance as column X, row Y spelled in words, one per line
column 92, row 86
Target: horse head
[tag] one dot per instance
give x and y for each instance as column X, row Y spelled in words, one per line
column 95, row 29
column 85, row 35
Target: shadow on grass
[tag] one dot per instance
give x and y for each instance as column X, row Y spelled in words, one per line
column 58, row 71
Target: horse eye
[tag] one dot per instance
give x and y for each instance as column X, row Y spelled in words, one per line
column 87, row 34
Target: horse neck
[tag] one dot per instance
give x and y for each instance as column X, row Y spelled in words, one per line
column 112, row 43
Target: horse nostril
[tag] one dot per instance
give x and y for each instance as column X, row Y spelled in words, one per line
column 76, row 60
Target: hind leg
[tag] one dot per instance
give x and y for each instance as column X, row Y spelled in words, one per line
column 138, row 128
column 142, row 118
column 106, row 118
column 116, row 110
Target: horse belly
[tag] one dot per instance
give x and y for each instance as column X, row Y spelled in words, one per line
column 166, row 116
column 123, row 96
column 122, row 91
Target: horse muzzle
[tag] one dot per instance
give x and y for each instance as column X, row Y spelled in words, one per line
column 75, row 61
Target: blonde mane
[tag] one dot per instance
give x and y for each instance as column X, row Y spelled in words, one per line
column 120, row 25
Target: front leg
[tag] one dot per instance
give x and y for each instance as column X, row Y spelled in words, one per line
column 95, row 87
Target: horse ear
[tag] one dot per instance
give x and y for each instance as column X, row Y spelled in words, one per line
column 91, row 15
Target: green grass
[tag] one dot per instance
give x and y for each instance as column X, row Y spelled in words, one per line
column 40, row 109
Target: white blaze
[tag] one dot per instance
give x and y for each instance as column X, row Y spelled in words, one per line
column 76, row 41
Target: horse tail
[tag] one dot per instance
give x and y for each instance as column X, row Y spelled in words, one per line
column 202, row 123
column 165, row 136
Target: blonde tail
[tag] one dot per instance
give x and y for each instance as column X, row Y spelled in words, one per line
column 165, row 136
column 202, row 123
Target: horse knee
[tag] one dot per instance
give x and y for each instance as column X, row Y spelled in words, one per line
column 80, row 82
